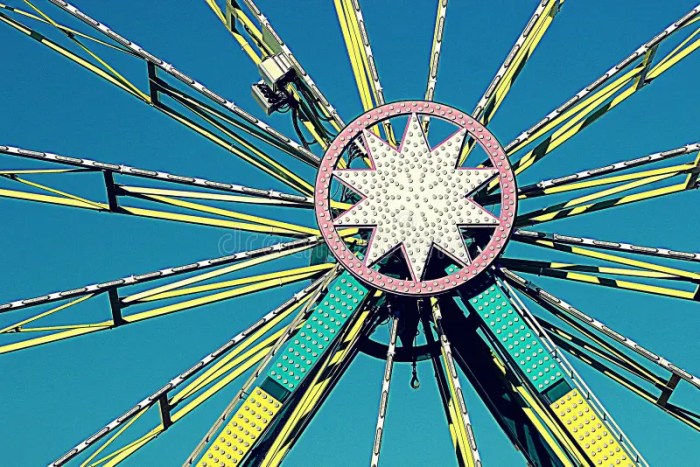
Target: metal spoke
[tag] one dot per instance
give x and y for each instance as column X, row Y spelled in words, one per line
column 535, row 265
column 591, row 352
column 162, row 395
column 534, row 237
column 515, row 60
column 256, row 127
column 116, row 192
column 436, row 48
column 632, row 181
column 469, row 451
column 242, row 393
column 595, row 279
column 600, row 199
column 233, row 13
column 513, row 65
column 559, row 184
column 361, row 57
column 273, row 40
column 582, row 207
column 307, row 98
column 63, row 28
column 597, row 358
column 597, row 349
column 122, row 169
column 118, row 303
column 596, row 99
column 550, row 301
column 386, row 383
column 663, row 271
column 169, row 69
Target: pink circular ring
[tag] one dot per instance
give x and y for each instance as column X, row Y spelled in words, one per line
column 373, row 278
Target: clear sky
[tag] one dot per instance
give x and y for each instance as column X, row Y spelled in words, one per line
column 53, row 396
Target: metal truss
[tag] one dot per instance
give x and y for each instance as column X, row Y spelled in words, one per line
column 119, row 300
column 208, row 370
column 292, row 357
column 603, row 189
column 514, row 63
column 608, row 91
column 220, row 125
column 262, row 43
column 596, row 343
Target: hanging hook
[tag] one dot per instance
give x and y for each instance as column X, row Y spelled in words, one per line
column 415, row 382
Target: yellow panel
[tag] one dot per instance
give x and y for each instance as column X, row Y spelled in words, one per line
column 589, row 431
column 242, row 431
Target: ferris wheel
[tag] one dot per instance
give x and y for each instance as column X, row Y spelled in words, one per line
column 411, row 218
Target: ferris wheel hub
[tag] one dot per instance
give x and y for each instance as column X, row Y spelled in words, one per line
column 415, row 200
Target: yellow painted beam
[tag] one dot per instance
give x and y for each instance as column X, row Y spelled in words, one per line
column 211, row 274
column 59, row 200
column 581, row 251
column 62, row 27
column 57, row 336
column 589, row 431
column 253, row 220
column 592, row 207
column 359, row 72
column 672, row 170
column 243, row 430
column 228, row 362
column 108, row 68
column 213, row 298
column 305, row 271
column 210, row 221
column 31, row 319
column 245, row 362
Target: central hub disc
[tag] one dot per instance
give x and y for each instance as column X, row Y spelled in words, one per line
column 407, row 211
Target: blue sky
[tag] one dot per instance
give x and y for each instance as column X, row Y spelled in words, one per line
column 56, row 395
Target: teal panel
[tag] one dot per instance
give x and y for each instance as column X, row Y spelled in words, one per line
column 514, row 335
column 344, row 296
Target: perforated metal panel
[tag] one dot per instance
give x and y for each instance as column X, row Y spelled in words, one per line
column 344, row 297
column 589, row 431
column 516, row 337
column 242, row 431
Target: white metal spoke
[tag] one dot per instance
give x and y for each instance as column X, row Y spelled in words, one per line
column 384, row 398
column 183, row 377
column 473, row 458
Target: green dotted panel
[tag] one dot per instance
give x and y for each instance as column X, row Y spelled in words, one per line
column 515, row 336
column 344, row 297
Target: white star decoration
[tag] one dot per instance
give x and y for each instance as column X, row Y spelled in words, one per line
column 416, row 198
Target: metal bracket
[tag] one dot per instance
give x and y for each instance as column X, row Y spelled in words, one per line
column 115, row 307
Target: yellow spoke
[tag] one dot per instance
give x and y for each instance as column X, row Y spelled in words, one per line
column 19, row 324
column 297, row 272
